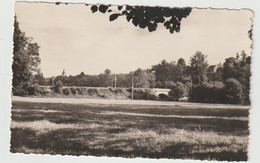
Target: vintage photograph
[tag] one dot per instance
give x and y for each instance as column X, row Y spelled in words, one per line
column 131, row 81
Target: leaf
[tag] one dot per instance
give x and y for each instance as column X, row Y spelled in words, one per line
column 128, row 18
column 124, row 12
column 159, row 19
column 128, row 7
column 152, row 27
column 142, row 25
column 120, row 7
column 171, row 30
column 135, row 21
column 167, row 24
column 103, row 8
column 113, row 17
column 94, row 8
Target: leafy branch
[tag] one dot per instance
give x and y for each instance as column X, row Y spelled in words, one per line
column 145, row 16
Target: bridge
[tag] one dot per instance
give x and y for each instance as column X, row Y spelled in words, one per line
column 159, row 91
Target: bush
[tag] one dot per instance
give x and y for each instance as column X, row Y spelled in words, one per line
column 168, row 84
column 81, row 91
column 35, row 90
column 158, row 84
column 233, row 91
column 208, row 93
column 21, row 89
column 178, row 90
column 144, row 94
column 66, row 91
column 73, row 91
column 92, row 91
column 58, row 87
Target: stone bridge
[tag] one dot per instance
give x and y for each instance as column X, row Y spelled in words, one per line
column 159, row 91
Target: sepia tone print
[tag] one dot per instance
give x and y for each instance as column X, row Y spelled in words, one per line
column 131, row 81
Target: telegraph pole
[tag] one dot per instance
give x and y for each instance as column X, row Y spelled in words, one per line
column 115, row 80
column 191, row 86
column 52, row 80
column 132, row 87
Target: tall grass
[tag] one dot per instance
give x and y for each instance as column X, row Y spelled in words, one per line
column 83, row 130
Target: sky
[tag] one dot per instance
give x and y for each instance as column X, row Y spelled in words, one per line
column 74, row 39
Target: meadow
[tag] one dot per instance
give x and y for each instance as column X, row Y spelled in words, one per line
column 175, row 131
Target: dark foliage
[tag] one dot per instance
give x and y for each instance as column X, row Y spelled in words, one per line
column 25, row 61
column 233, row 91
column 178, row 90
column 199, row 66
column 35, row 90
column 208, row 93
column 239, row 68
column 144, row 94
column 58, row 87
column 147, row 17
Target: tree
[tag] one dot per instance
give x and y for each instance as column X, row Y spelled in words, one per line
column 233, row 91
column 81, row 75
column 198, row 67
column 145, row 16
column 181, row 63
column 239, row 68
column 107, row 78
column 163, row 71
column 180, row 69
column 143, row 78
column 107, row 72
column 177, row 91
column 58, row 87
column 39, row 79
column 124, row 80
column 25, row 61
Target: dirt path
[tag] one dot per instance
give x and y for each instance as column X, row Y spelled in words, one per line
column 127, row 102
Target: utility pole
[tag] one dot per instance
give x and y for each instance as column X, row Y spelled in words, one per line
column 191, row 86
column 52, row 80
column 132, row 87
column 115, row 80
column 63, row 75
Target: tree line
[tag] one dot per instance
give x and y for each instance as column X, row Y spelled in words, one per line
column 223, row 83
column 198, row 80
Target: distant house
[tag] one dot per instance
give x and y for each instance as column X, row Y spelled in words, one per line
column 212, row 68
column 187, row 79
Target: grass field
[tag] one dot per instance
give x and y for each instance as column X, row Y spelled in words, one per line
column 132, row 130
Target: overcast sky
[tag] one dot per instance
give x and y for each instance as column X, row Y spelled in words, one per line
column 74, row 39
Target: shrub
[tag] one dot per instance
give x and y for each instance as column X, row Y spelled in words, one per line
column 168, row 84
column 158, row 84
column 208, row 93
column 178, row 90
column 35, row 90
column 73, row 91
column 81, row 91
column 92, row 91
column 66, row 91
column 144, row 94
column 21, row 89
column 233, row 91
column 58, row 87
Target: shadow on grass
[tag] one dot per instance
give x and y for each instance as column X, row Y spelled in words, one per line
column 63, row 142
